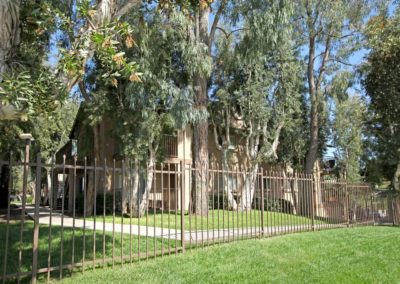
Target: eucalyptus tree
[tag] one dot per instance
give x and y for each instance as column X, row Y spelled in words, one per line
column 261, row 85
column 92, row 39
column 381, row 82
column 329, row 32
column 27, row 85
column 162, row 102
column 347, row 130
column 203, row 33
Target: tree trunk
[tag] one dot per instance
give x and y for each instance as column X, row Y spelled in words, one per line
column 134, row 199
column 49, row 184
column 93, row 183
column 227, row 189
column 9, row 32
column 139, row 198
column 249, row 188
column 396, row 177
column 9, row 41
column 200, row 128
column 294, row 190
column 314, row 125
column 131, row 185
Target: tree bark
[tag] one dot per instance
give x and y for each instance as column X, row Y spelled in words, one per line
column 249, row 188
column 396, row 177
column 294, row 189
column 9, row 41
column 228, row 190
column 314, row 122
column 133, row 188
column 9, row 32
column 139, row 198
column 200, row 128
column 94, row 180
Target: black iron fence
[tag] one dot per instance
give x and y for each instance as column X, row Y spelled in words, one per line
column 62, row 217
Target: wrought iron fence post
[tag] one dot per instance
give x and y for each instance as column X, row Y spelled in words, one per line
column 262, row 202
column 347, row 204
column 393, row 211
column 183, row 205
column 372, row 209
column 313, row 191
column 35, row 251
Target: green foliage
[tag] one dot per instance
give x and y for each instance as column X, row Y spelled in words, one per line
column 29, row 85
column 32, row 92
column 347, row 129
column 294, row 137
column 107, row 43
column 50, row 131
column 381, row 80
column 257, row 76
column 327, row 33
column 162, row 101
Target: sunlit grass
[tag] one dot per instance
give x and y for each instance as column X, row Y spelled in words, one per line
column 216, row 219
column 353, row 255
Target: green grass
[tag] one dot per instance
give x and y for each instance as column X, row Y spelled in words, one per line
column 216, row 219
column 354, row 255
column 120, row 245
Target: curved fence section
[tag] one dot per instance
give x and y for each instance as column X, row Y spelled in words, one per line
column 74, row 215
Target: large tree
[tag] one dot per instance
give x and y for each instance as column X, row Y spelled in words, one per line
column 92, row 60
column 328, row 33
column 162, row 102
column 381, row 81
column 257, row 86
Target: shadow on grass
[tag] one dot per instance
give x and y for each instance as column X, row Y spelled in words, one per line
column 66, row 246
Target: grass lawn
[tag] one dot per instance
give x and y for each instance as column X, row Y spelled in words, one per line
column 120, row 244
column 354, row 255
column 216, row 219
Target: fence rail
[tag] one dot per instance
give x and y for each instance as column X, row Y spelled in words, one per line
column 67, row 216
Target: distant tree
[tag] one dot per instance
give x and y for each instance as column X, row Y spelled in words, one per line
column 329, row 33
column 347, row 129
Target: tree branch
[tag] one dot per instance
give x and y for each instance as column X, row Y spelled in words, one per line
column 126, row 8
column 227, row 35
column 217, row 145
column 214, row 24
column 83, row 91
column 323, row 63
column 275, row 143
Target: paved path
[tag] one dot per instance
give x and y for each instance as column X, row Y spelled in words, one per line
column 190, row 236
column 58, row 220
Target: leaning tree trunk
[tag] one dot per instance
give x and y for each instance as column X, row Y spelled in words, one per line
column 249, row 188
column 200, row 128
column 9, row 41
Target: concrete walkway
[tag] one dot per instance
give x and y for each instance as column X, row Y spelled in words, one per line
column 57, row 219
column 198, row 236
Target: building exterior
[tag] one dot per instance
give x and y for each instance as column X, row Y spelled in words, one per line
column 175, row 173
